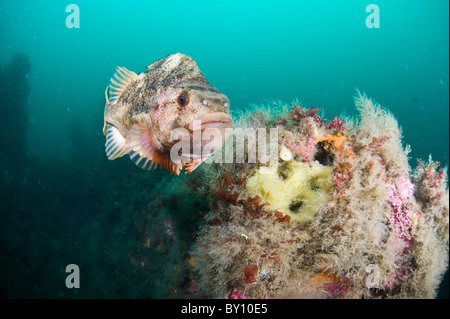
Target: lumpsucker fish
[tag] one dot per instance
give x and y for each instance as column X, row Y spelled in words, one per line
column 143, row 111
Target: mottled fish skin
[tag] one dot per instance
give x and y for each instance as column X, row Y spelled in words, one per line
column 152, row 100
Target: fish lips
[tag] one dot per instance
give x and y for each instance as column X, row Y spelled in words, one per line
column 219, row 120
column 213, row 128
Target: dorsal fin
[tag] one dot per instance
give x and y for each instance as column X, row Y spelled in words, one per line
column 123, row 79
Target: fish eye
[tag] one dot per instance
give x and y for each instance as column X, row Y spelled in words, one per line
column 182, row 100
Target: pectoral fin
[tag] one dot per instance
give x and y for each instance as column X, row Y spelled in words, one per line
column 193, row 164
column 145, row 151
column 115, row 142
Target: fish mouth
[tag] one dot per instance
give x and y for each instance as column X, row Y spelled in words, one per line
column 213, row 130
column 216, row 120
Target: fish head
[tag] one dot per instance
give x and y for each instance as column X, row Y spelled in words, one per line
column 194, row 110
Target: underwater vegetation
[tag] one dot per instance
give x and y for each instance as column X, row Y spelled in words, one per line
column 343, row 215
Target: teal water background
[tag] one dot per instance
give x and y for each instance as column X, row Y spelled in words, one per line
column 252, row 51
